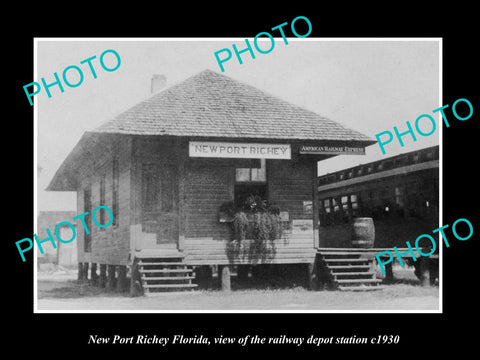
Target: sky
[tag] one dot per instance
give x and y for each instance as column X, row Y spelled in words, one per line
column 368, row 85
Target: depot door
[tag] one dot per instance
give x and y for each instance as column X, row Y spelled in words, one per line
column 160, row 204
column 168, row 215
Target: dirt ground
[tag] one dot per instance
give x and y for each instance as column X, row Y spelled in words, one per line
column 58, row 290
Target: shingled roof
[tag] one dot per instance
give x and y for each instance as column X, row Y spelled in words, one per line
column 213, row 105
column 207, row 105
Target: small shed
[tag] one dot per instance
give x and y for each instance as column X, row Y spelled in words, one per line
column 182, row 169
column 65, row 254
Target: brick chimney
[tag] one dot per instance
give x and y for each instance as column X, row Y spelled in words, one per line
column 159, row 81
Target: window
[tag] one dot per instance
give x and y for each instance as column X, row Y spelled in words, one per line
column 252, row 174
column 354, row 204
column 338, row 210
column 250, row 181
column 325, row 213
column 115, row 180
column 400, row 201
column 345, row 210
column 388, row 165
column 102, row 199
column 87, row 207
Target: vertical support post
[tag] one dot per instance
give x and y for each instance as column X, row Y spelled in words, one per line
column 322, row 273
column 102, row 281
column 312, row 276
column 93, row 274
column 110, row 277
column 121, row 278
column 389, row 278
column 85, row 271
column 425, row 271
column 135, row 280
column 315, row 206
column 80, row 272
column 224, row 272
column 57, row 255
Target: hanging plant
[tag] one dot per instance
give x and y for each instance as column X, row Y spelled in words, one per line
column 227, row 211
column 258, row 220
column 240, row 225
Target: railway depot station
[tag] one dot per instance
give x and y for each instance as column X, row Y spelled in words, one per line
column 209, row 176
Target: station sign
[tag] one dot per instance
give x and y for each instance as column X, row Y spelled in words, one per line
column 331, row 150
column 212, row 149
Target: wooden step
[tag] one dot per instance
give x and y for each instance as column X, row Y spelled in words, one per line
column 349, row 267
column 336, row 253
column 161, row 263
column 148, row 278
column 169, row 286
column 165, row 270
column 354, row 273
column 361, row 288
column 347, row 281
column 345, row 260
column 159, row 254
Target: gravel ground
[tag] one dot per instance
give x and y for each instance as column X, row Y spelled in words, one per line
column 58, row 290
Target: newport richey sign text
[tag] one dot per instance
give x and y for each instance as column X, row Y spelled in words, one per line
column 239, row 150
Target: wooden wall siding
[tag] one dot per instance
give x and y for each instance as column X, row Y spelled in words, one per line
column 206, row 188
column 291, row 249
column 110, row 245
column 208, row 241
column 289, row 184
column 207, row 183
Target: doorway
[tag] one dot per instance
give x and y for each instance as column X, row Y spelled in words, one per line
column 160, row 205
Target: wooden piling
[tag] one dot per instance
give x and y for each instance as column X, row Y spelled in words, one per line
column 102, row 280
column 110, row 277
column 425, row 271
column 312, row 281
column 80, row 271
column 85, row 272
column 389, row 278
column 122, row 284
column 224, row 272
column 135, row 280
column 93, row 274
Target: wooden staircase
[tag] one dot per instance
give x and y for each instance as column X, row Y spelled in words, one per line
column 164, row 273
column 348, row 270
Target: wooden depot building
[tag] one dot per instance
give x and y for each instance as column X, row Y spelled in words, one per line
column 210, row 173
